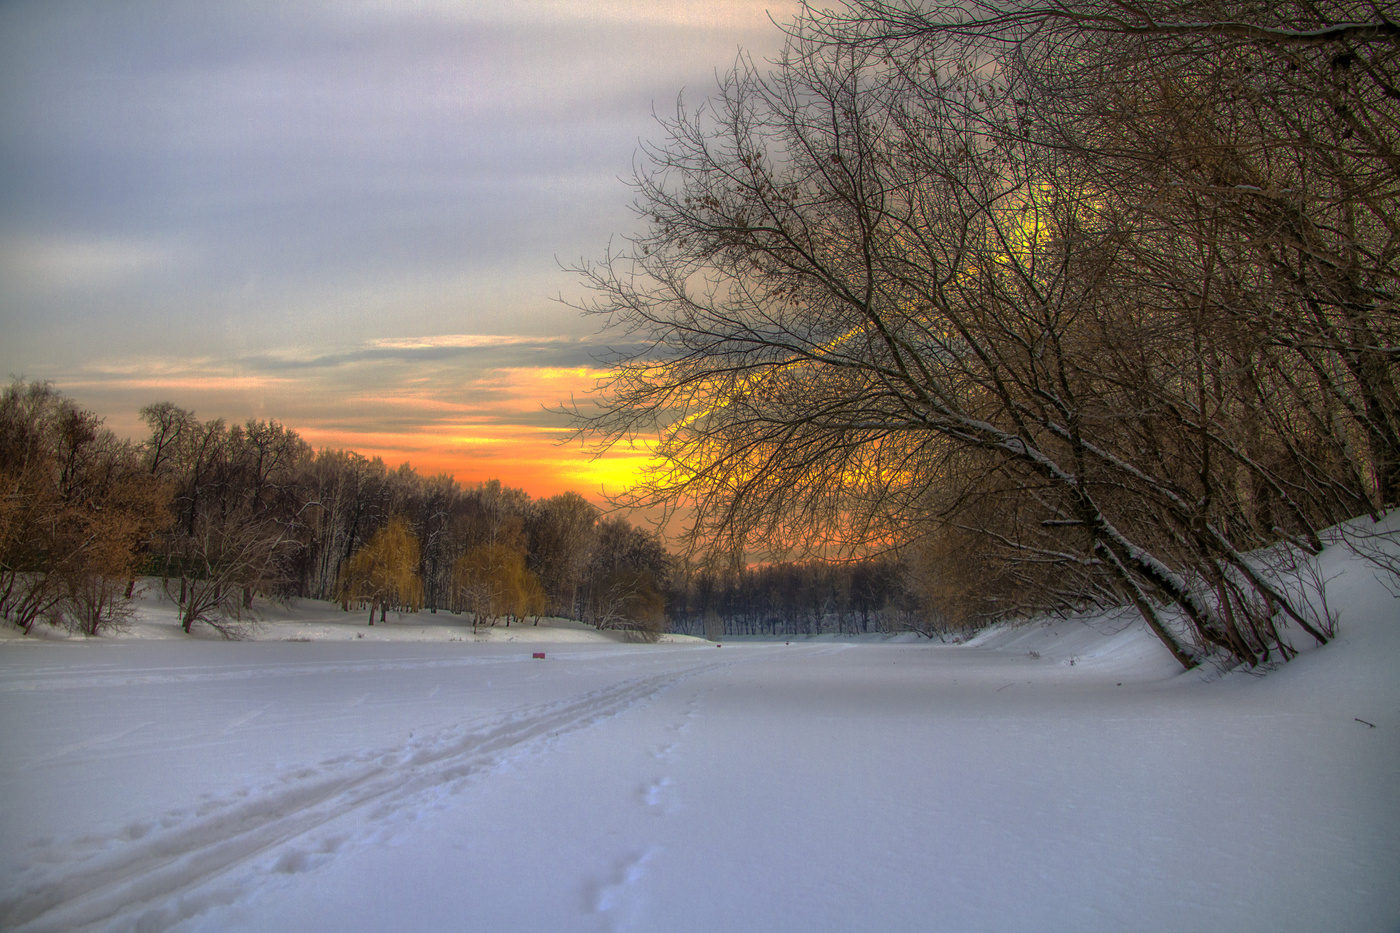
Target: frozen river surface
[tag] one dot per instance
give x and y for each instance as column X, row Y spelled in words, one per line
column 349, row 786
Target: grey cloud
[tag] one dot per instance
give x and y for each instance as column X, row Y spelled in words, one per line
column 196, row 180
column 519, row 352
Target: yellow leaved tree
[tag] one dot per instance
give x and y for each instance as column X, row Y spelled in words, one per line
column 493, row 582
column 384, row 573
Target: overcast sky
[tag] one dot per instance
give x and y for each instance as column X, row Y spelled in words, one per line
column 349, row 217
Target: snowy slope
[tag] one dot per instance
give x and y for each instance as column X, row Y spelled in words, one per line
column 345, row 785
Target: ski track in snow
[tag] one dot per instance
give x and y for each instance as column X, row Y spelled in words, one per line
column 245, row 719
column 154, row 874
column 67, row 750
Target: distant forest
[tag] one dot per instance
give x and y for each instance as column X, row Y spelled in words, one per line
column 228, row 515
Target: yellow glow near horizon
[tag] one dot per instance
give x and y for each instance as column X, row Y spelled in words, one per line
column 521, row 456
column 479, row 441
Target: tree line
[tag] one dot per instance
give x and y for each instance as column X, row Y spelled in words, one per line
column 1073, row 303
column 227, row 515
column 876, row 595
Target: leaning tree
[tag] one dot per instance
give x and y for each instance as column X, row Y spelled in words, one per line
column 1020, row 272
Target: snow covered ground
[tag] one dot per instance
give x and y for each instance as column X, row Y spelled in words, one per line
column 410, row 781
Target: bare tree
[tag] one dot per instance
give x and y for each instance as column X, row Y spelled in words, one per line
column 561, row 532
column 236, row 514
column 627, row 578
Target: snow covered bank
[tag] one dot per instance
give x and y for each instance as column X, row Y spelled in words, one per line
column 316, row 620
column 153, row 783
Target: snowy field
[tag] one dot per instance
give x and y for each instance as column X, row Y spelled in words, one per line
column 409, row 780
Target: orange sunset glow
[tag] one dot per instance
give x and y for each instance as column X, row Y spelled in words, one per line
column 540, row 461
column 472, row 422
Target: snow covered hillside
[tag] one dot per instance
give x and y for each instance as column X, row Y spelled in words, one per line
column 346, row 784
